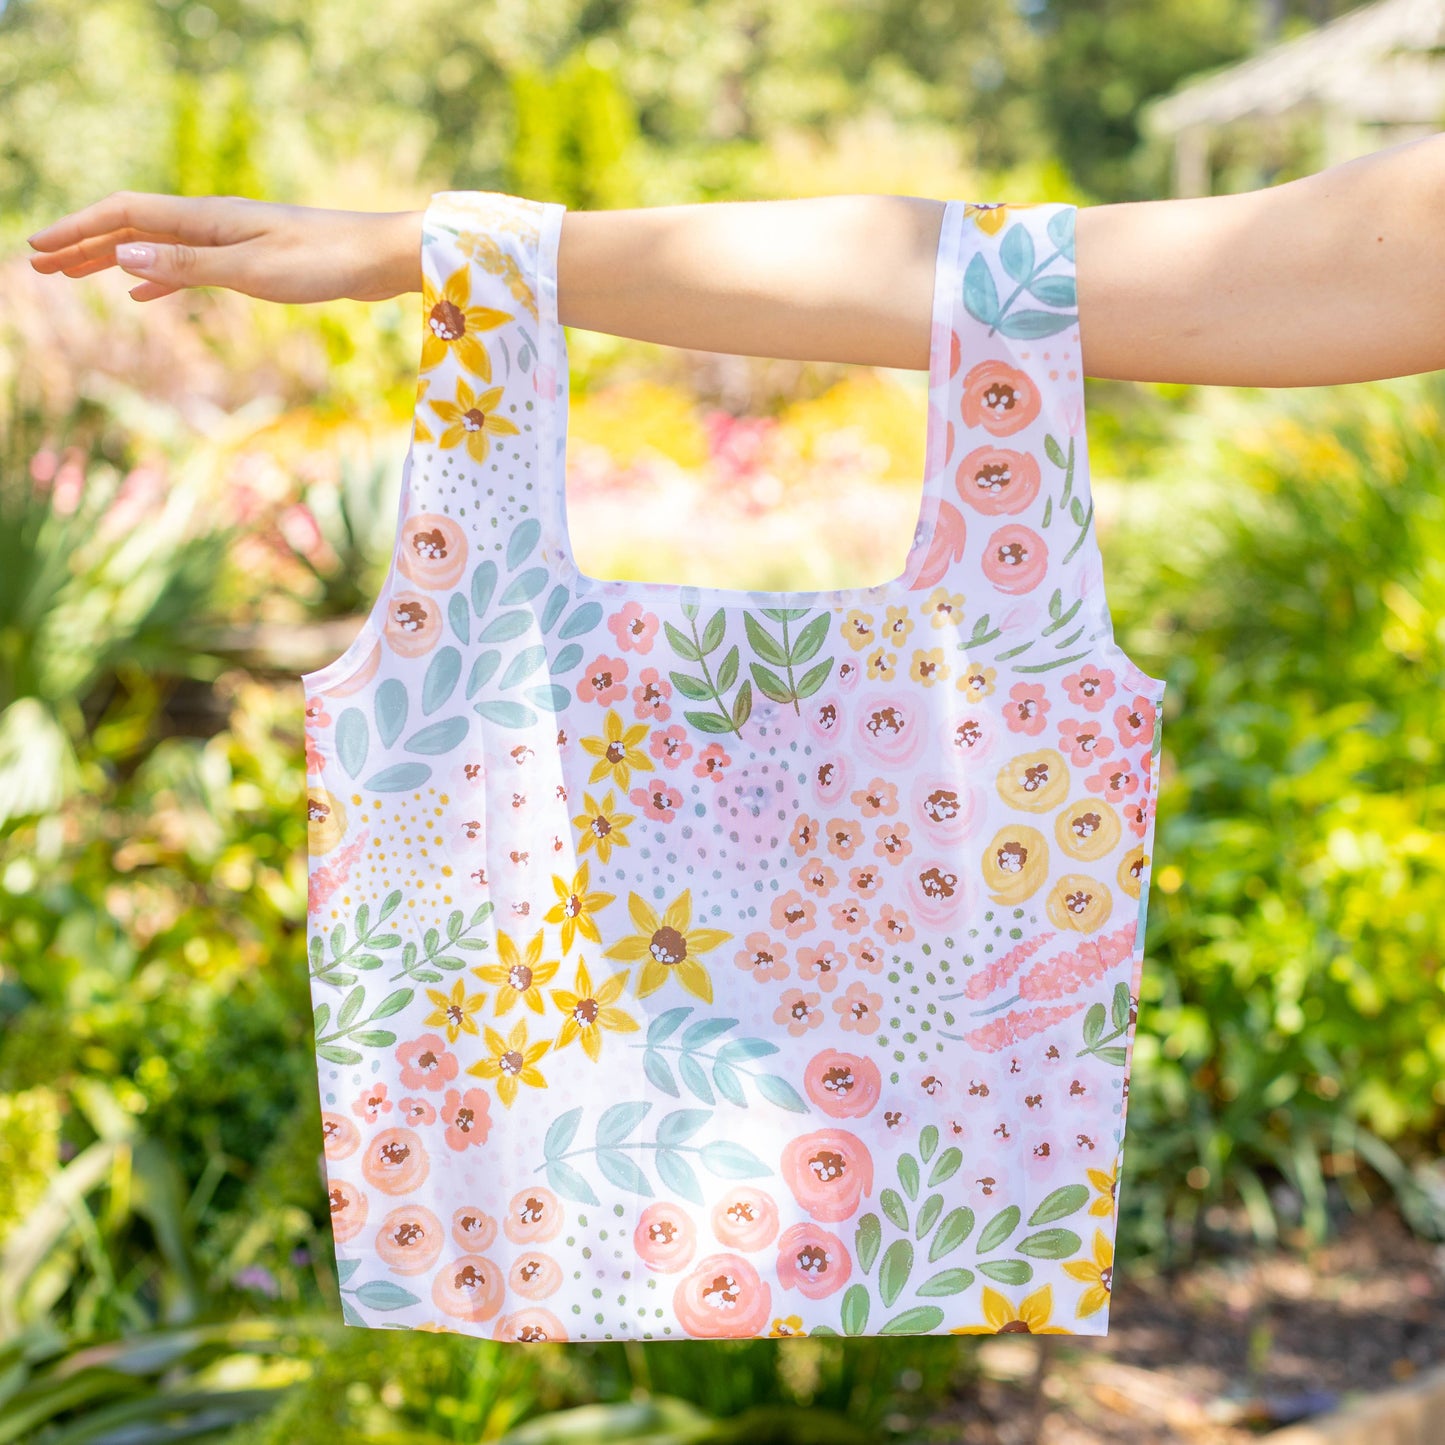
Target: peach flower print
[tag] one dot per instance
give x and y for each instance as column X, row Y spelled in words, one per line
column 1135, row 721
column 533, row 1217
column 665, row 1237
column 416, row 1111
column 763, row 957
column 866, row 955
column 1081, row 740
column 844, row 1086
column 659, row 800
column 821, row 964
column 817, row 877
column 650, row 696
column 800, row 1011
column 894, row 925
column 633, row 627
column 603, row 680
column 1114, row 782
column 1028, row 708
column 670, row 744
column 812, row 1261
column 893, row 843
column 858, row 1009
column 865, row 880
column 724, row 1297
column 792, row 914
column 845, row 837
column 878, row 797
column 534, row 1326
column 1090, row 687
column 426, row 1064
column 849, row 915
column 711, row 761
column 467, row 1117
column 745, row 1218
column 828, row 1171
column 372, row 1104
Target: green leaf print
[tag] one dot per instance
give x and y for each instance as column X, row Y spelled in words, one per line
column 946, row 1281
column 917, row 1321
column 1007, row 1271
column 729, row 717
column 867, row 1241
column 1062, row 1202
column 928, row 1215
column 855, row 1310
column 956, row 1227
column 927, row 1142
column 949, row 1163
column 891, row 1203
column 1050, row 1244
column 893, row 1271
column 999, row 1228
column 352, row 1028
column 908, row 1175
column 785, row 654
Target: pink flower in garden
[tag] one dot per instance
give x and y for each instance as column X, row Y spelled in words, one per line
column 467, row 1117
column 650, row 696
column 763, row 957
column 1027, row 710
column 372, row 1103
column 670, row 744
column 658, row 799
column 1081, row 741
column 812, row 1261
column 1090, row 687
column 426, row 1063
column 633, row 627
column 711, row 761
column 792, row 914
column 858, row 1009
column 799, row 1011
column 603, row 680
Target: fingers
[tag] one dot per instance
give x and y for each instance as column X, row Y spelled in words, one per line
column 199, row 220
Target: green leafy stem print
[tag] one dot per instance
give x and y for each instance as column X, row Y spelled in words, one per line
column 364, row 950
column 785, row 655
column 729, row 1063
column 352, row 1027
column 1017, row 257
column 934, row 1234
column 669, row 1148
column 1075, row 507
column 1096, row 1042
column 375, row 1294
column 707, row 688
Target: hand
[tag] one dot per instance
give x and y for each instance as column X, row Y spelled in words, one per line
column 271, row 251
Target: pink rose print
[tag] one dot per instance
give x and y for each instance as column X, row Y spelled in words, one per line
column 1090, row 687
column 763, row 957
column 665, row 1237
column 866, row 955
column 858, row 1009
column 711, row 761
column 1080, row 741
column 996, row 480
column 670, row 744
column 658, row 799
column 534, row 1326
column 372, row 1104
column 467, row 1117
column 792, row 914
column 844, row 1086
column 535, row 1276
column 533, row 1217
column 1135, row 722
column 890, row 727
column 473, row 1230
column 426, row 1063
column 724, row 1297
column 745, row 1219
column 817, row 877
column 828, row 1171
column 812, row 1261
column 1027, row 709
column 650, row 696
column 633, row 628
column 799, row 1011
column 603, row 680
column 821, row 965
column 412, row 1110
column 1015, row 559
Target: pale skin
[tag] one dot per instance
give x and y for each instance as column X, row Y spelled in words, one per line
column 1336, row 277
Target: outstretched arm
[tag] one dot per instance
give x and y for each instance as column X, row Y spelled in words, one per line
column 1335, row 277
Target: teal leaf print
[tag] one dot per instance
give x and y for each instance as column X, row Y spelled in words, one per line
column 1016, row 253
column 345, row 1268
column 980, row 296
column 523, row 665
column 677, row 1175
column 695, row 1079
column 893, row 1271
column 583, row 620
column 523, row 539
column 398, row 778
column 507, row 714
column 619, row 1170
column 1063, row 1201
column 619, row 1121
column 731, row 1161
column 780, row 1093
column 383, row 1294
column 551, row 697
column 666, row 1024
column 505, row 626
column 524, row 586
column 484, row 582
column 999, row 1228
column 855, row 1310
column 483, row 666
column 659, row 1075
column 917, row 1321
column 439, row 737
column 568, row 658
column 705, row 1031
column 459, row 618
column 442, row 675
column 728, row 1084
column 569, row 1184
column 353, row 740
column 391, row 708
column 1060, row 227
column 679, row 1126
column 731, row 1063
column 560, row 1134
column 552, row 608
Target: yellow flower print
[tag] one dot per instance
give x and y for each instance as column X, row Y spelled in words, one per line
column 787, row 1327
column 617, row 751
column 452, row 324
column 1108, row 1186
column 601, row 827
column 421, row 432
column 455, row 1013
column 590, row 1010
column 668, row 945
column 575, row 906
column 992, row 216
column 928, row 666
column 857, row 629
column 518, row 976
column 471, row 419
column 1032, row 1317
column 944, row 608
column 512, row 1062
column 882, row 664
column 975, row 682
column 897, row 627
column 1097, row 1272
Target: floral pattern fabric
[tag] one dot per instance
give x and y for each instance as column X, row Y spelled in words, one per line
column 701, row 963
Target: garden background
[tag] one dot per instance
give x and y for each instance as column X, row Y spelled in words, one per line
column 196, row 497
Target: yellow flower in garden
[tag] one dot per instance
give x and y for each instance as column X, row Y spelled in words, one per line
column 617, row 750
column 452, row 324
column 518, row 976
column 787, row 1328
column 454, row 1013
column 1107, row 1185
column 590, row 1010
column 574, row 908
column 944, row 608
column 928, row 666
column 512, row 1062
column 882, row 665
column 600, row 826
column 1033, row 1315
column 975, row 682
column 668, row 945
column 1097, row 1272
column 857, row 629
column 897, row 627
column 471, row 418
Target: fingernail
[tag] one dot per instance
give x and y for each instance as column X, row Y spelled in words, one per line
column 135, row 255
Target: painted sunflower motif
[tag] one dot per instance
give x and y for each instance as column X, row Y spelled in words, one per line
column 668, row 946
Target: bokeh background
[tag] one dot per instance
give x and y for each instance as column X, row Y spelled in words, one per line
column 196, row 497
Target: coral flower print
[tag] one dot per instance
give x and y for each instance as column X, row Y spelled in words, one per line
column 689, row 962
